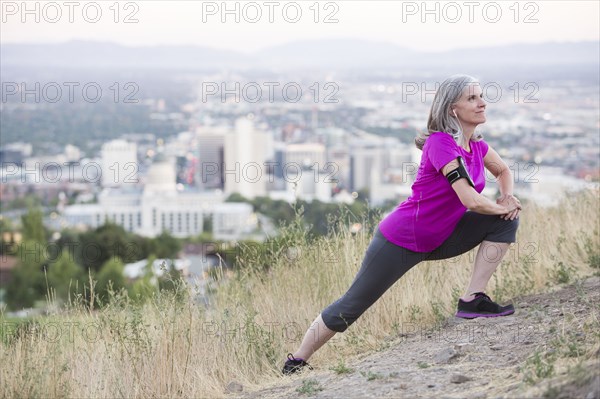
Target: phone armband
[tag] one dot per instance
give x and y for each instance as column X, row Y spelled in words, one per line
column 460, row 173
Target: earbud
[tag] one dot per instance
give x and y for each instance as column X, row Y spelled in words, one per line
column 454, row 112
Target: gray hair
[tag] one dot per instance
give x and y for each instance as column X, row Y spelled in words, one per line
column 440, row 119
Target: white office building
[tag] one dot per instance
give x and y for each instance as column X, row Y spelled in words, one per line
column 233, row 221
column 364, row 161
column 246, row 150
column 309, row 184
column 305, row 155
column 150, row 209
column 119, row 164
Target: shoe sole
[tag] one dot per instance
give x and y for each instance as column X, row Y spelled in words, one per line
column 466, row 315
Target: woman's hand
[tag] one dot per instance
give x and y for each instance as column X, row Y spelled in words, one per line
column 513, row 205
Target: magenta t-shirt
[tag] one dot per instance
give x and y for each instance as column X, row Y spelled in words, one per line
column 428, row 217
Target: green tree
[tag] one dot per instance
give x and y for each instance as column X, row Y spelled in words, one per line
column 146, row 286
column 70, row 241
column 207, row 227
column 172, row 280
column 110, row 278
column 28, row 283
column 6, row 228
column 24, row 288
column 65, row 277
column 33, row 227
column 165, row 246
column 236, row 197
column 106, row 242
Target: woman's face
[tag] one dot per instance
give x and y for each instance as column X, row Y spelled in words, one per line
column 470, row 108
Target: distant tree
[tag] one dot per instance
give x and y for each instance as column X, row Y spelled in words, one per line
column 6, row 229
column 278, row 210
column 33, row 227
column 140, row 247
column 65, row 277
column 363, row 195
column 70, row 241
column 207, row 227
column 27, row 283
column 110, row 278
column 106, row 242
column 146, row 286
column 165, row 246
column 236, row 197
column 172, row 281
column 24, row 288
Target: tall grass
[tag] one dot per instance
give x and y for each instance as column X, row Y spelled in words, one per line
column 173, row 347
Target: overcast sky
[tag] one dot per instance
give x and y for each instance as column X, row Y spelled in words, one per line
column 476, row 23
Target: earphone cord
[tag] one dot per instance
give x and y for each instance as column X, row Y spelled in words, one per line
column 459, row 124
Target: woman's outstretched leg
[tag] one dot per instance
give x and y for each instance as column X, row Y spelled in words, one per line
column 384, row 263
column 316, row 336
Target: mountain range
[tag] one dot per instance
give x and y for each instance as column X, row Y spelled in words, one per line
column 330, row 53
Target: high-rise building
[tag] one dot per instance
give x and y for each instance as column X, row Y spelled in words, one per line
column 246, row 151
column 305, row 155
column 309, row 184
column 210, row 142
column 119, row 164
column 364, row 159
column 72, row 153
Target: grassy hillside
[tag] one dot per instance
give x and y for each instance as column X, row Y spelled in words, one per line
column 172, row 347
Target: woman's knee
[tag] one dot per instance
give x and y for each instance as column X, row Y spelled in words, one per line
column 505, row 231
column 336, row 322
column 513, row 224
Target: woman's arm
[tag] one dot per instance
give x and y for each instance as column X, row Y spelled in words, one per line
column 500, row 170
column 496, row 165
column 471, row 199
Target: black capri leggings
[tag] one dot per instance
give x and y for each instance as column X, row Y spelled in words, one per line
column 384, row 263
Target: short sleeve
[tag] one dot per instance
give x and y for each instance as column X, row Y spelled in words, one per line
column 441, row 149
column 484, row 148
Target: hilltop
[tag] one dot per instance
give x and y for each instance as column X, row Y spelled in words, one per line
column 407, row 345
column 548, row 348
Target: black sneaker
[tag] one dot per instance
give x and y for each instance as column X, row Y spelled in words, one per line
column 482, row 306
column 293, row 365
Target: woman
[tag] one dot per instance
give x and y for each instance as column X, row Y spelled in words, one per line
column 433, row 223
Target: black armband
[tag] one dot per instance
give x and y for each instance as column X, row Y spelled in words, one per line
column 460, row 173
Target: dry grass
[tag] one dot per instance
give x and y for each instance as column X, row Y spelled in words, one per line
column 174, row 348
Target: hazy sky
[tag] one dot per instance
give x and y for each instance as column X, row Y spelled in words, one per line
column 477, row 23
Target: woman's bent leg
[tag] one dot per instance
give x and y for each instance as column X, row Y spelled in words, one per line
column 472, row 230
column 494, row 235
column 487, row 260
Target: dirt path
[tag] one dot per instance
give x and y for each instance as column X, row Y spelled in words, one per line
column 548, row 348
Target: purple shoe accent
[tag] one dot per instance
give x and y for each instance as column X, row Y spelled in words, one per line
column 466, row 315
column 482, row 306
